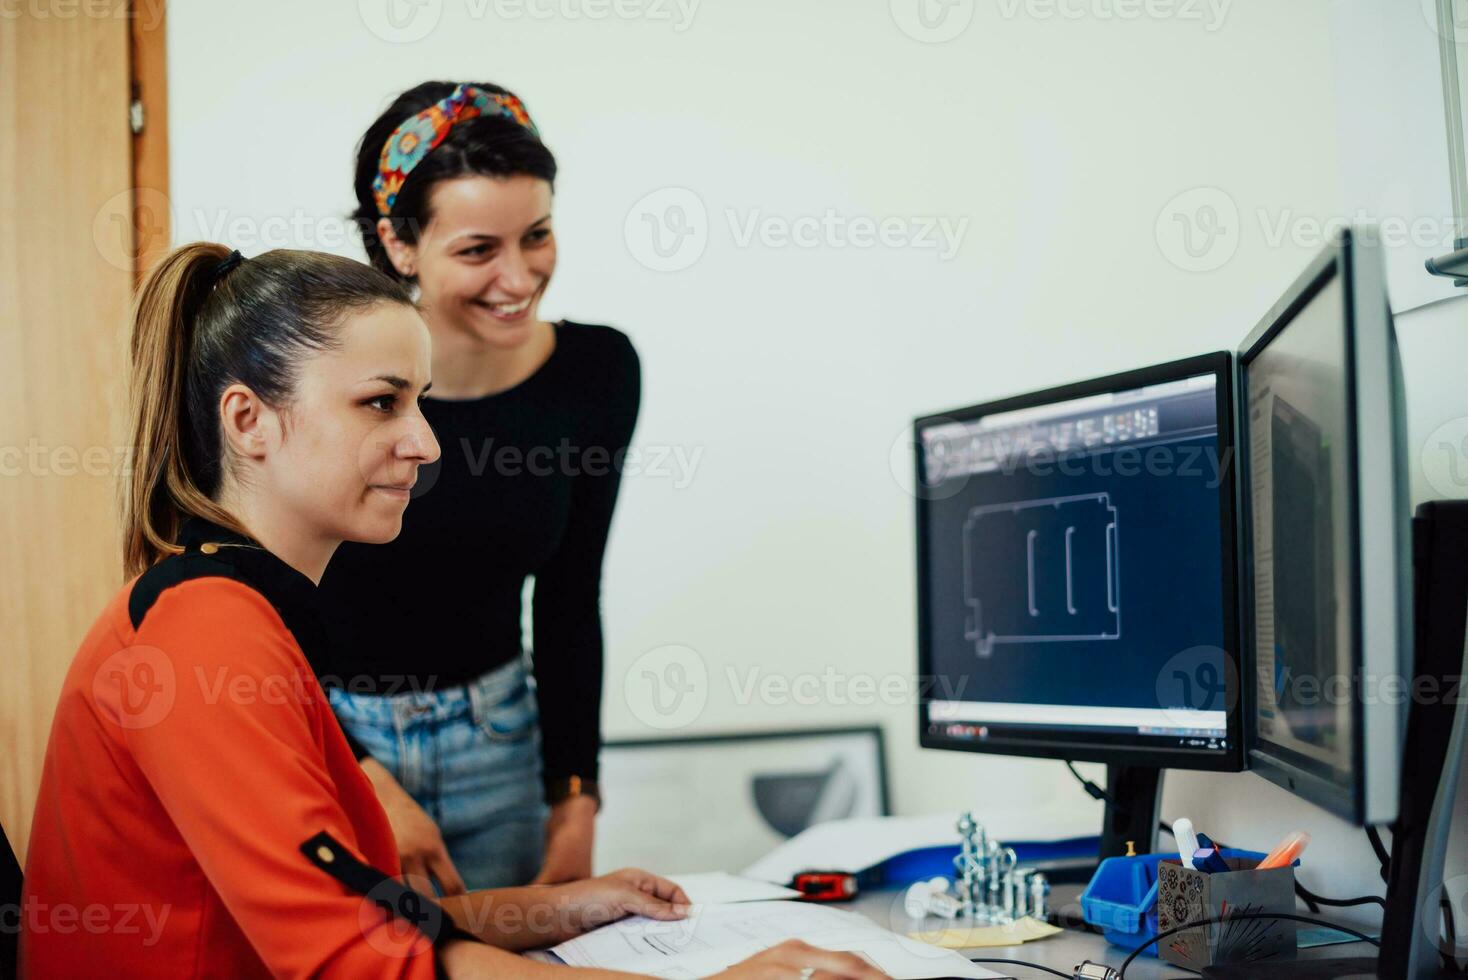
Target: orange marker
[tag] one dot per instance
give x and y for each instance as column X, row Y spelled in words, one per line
column 1286, row 851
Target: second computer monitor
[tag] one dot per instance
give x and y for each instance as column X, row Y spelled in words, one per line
column 1076, row 572
column 1327, row 574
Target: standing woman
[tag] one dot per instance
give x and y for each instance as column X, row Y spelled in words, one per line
column 485, row 772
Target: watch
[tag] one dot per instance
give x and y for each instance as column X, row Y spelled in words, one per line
column 566, row 787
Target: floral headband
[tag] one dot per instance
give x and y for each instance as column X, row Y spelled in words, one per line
column 412, row 141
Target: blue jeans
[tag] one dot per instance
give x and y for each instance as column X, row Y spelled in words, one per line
column 470, row 756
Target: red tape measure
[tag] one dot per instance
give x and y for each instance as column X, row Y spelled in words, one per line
column 825, row 886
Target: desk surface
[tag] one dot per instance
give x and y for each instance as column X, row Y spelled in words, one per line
column 1060, row 952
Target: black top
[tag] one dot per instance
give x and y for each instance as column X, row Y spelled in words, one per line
column 525, row 485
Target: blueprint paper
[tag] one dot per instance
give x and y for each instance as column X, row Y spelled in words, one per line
column 715, row 937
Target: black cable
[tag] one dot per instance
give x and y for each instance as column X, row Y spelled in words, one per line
column 1312, row 902
column 1239, row 917
column 1092, row 790
column 1336, row 903
column 1032, row 966
column 1450, row 928
column 1097, row 793
column 1382, row 854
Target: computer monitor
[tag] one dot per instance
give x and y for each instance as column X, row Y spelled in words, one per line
column 1077, row 584
column 1325, row 540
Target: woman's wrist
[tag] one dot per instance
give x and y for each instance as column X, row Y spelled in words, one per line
column 380, row 777
column 575, row 808
column 518, row 919
column 569, row 834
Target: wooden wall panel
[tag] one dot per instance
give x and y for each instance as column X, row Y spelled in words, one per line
column 66, row 269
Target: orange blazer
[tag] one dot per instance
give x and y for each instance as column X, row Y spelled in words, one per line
column 192, row 755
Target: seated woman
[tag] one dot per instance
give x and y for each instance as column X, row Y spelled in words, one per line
column 200, row 812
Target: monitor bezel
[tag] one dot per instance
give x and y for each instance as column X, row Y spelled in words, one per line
column 1084, row 749
column 1379, row 549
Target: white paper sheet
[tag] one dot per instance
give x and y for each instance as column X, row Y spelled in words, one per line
column 720, row 887
column 855, row 845
column 715, row 937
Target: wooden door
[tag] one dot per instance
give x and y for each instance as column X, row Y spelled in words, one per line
column 69, row 254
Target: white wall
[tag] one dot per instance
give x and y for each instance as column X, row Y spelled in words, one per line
column 1393, row 138
column 1074, row 152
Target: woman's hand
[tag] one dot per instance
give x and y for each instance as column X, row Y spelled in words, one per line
column 537, row 916
column 790, row 960
column 630, row 891
column 569, row 832
column 420, row 845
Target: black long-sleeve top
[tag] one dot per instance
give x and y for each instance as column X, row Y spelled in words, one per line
column 526, row 485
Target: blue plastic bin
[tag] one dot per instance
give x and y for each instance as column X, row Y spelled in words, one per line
column 1122, row 897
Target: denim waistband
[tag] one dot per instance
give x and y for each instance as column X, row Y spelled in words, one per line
column 502, row 685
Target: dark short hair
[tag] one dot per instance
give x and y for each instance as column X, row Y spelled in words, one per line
column 486, row 146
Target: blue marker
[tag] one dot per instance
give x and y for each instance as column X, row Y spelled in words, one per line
column 1207, row 857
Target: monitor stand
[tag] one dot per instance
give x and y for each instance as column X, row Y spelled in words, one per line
column 1133, row 808
column 1437, row 725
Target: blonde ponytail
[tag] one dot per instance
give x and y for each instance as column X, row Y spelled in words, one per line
column 161, row 491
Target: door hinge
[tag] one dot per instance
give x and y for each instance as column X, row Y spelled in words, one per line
column 135, row 116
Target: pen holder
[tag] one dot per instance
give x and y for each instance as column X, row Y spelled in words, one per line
column 1122, row 897
column 1185, row 895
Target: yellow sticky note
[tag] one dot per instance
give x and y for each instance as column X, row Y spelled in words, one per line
column 969, row 936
